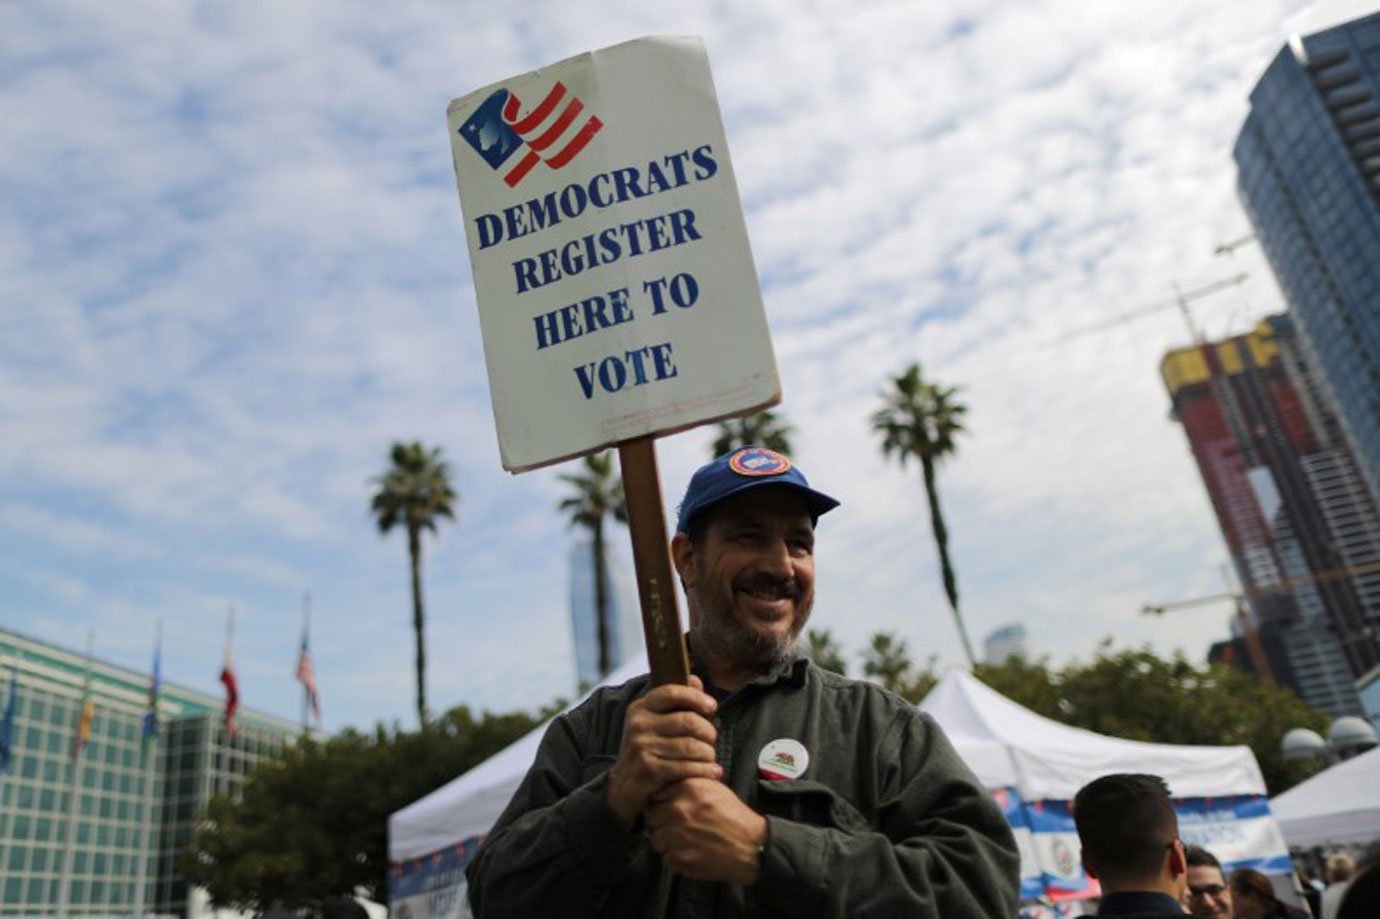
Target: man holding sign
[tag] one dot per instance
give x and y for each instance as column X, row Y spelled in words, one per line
column 767, row 787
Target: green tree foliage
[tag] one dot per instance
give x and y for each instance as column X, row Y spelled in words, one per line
column 764, row 429
column 1134, row 694
column 921, row 420
column 313, row 823
column 1139, row 695
column 887, row 661
column 597, row 494
column 414, row 493
column 1032, row 684
column 825, row 651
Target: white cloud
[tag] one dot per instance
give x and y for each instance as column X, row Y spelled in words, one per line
column 236, row 272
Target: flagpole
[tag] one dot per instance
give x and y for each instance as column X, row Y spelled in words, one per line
column 4, row 847
column 141, row 867
column 65, row 875
column 306, row 627
column 150, row 752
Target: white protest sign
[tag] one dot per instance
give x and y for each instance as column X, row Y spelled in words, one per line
column 616, row 290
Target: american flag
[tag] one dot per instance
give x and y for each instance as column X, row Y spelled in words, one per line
column 553, row 132
column 307, row 675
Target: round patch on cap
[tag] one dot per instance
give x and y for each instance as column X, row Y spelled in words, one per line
column 758, row 461
column 783, row 759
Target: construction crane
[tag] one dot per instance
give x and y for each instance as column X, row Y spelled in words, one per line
column 1259, row 661
column 1254, row 648
column 1279, row 586
column 1217, row 382
column 1251, row 441
column 1179, row 300
column 1230, row 248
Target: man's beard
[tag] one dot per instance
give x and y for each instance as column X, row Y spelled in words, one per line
column 718, row 635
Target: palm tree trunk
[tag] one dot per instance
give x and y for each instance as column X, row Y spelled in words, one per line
column 941, row 539
column 414, row 549
column 601, row 597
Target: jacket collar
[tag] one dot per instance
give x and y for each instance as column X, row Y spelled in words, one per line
column 1140, row 903
column 791, row 671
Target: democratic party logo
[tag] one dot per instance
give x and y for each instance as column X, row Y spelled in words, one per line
column 553, row 132
column 758, row 461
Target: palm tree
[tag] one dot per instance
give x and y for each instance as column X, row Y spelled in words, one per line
column 921, row 419
column 887, row 660
column 414, row 492
column 825, row 651
column 764, row 429
column 598, row 493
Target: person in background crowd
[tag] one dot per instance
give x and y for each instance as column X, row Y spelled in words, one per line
column 1339, row 869
column 1130, row 838
column 1361, row 898
column 1312, row 888
column 1207, row 894
column 1254, row 897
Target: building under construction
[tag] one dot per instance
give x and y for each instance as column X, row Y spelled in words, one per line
column 1300, row 524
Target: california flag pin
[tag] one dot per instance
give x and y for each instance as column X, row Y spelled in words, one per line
column 783, row 759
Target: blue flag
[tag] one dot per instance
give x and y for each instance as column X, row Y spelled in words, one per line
column 7, row 723
column 155, row 685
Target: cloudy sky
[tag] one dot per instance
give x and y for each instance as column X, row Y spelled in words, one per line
column 233, row 271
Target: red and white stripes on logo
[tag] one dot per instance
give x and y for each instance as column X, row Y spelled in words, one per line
column 549, row 136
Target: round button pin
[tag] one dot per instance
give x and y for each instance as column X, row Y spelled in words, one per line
column 783, row 759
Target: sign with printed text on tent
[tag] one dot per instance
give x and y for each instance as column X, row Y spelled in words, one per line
column 616, row 289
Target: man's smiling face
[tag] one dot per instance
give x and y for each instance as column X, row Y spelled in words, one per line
column 750, row 581
column 1208, row 894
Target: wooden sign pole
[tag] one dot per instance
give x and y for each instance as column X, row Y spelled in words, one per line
column 656, row 582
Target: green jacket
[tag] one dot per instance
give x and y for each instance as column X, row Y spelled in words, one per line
column 886, row 821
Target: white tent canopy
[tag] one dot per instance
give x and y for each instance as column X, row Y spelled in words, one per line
column 469, row 805
column 1340, row 804
column 1008, row 745
column 1005, row 744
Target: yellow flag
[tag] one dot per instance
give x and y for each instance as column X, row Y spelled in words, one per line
column 88, row 712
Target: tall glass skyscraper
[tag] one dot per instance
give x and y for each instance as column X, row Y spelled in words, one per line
column 625, row 616
column 1308, row 161
column 110, row 804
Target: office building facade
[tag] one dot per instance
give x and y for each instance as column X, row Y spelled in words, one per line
column 1308, row 174
column 1005, row 643
column 1299, row 523
column 129, row 798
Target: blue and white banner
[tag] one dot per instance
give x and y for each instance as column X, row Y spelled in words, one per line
column 1057, row 851
column 433, row 886
column 1238, row 829
column 1013, row 809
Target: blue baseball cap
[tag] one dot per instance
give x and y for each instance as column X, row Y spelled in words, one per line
column 748, row 467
